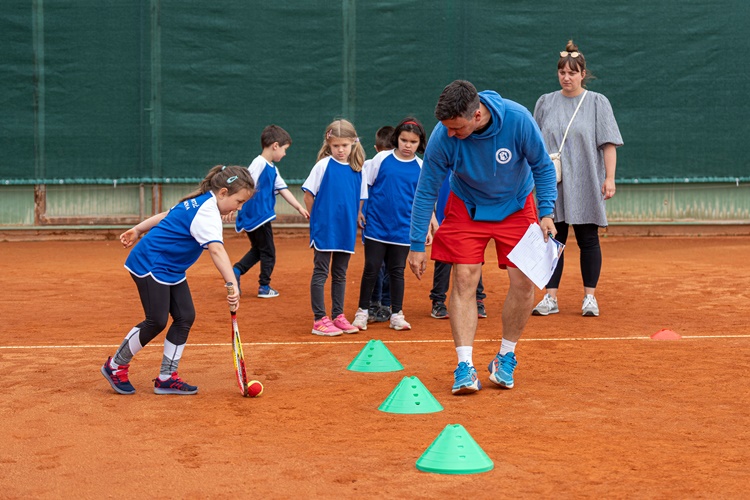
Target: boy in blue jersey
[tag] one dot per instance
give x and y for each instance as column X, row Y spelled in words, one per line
column 256, row 215
column 495, row 154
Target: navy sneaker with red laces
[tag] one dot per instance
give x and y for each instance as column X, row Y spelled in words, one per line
column 118, row 378
column 173, row 385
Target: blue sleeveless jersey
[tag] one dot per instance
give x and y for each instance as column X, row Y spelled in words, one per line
column 173, row 245
column 259, row 209
column 333, row 220
column 393, row 183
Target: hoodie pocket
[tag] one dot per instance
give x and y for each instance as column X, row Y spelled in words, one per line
column 495, row 212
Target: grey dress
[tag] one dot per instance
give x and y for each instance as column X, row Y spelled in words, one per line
column 579, row 194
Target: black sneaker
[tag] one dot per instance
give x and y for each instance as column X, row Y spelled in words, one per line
column 173, row 385
column 481, row 311
column 439, row 311
column 118, row 379
column 383, row 314
column 372, row 311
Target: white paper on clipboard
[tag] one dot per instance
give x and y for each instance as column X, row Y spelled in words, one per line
column 536, row 258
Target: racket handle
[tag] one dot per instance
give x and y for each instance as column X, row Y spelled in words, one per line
column 230, row 291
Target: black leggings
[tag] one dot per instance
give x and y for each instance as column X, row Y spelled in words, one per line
column 395, row 261
column 159, row 302
column 587, row 237
column 263, row 250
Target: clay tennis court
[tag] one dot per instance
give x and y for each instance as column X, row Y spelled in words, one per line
column 599, row 409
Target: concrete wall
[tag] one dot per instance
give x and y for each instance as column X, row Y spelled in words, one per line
column 104, row 206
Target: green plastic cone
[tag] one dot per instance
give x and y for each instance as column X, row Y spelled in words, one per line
column 375, row 357
column 454, row 451
column 410, row 396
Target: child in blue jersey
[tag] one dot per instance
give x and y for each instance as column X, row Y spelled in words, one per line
column 333, row 191
column 392, row 179
column 174, row 241
column 256, row 215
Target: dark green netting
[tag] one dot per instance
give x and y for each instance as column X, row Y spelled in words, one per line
column 94, row 91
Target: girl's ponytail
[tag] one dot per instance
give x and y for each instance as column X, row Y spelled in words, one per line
column 234, row 178
column 357, row 156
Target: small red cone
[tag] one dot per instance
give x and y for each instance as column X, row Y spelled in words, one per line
column 666, row 335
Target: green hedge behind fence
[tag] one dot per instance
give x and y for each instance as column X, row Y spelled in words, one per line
column 155, row 90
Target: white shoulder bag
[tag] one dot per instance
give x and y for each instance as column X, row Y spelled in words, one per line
column 555, row 157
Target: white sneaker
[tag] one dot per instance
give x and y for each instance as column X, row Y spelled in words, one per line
column 590, row 307
column 360, row 319
column 548, row 305
column 398, row 322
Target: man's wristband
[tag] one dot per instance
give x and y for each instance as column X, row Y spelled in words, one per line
column 551, row 216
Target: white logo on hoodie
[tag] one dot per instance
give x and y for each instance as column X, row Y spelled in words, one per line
column 503, row 155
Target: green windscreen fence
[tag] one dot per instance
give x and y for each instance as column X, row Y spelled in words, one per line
column 142, row 91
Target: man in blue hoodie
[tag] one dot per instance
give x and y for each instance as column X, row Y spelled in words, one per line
column 497, row 156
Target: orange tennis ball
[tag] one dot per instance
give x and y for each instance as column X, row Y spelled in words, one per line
column 254, row 389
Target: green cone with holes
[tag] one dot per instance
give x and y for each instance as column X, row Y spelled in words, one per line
column 375, row 357
column 410, row 396
column 454, row 451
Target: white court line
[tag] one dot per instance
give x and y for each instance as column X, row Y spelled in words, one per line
column 349, row 342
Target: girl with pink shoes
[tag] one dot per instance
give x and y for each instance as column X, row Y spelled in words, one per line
column 333, row 192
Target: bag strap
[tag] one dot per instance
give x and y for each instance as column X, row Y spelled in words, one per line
column 565, row 136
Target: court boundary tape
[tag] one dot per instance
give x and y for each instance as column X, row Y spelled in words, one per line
column 349, row 342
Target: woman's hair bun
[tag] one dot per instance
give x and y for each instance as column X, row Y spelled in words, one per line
column 571, row 47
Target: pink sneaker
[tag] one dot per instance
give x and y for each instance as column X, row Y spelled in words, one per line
column 342, row 324
column 325, row 327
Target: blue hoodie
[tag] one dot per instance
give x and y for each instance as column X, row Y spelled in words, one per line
column 493, row 172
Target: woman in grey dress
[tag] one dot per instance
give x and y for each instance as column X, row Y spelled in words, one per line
column 588, row 170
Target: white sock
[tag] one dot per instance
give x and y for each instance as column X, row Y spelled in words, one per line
column 164, row 377
column 465, row 354
column 507, row 346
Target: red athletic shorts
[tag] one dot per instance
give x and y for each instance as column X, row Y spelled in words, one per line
column 461, row 240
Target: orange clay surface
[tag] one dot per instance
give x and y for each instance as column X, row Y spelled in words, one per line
column 599, row 409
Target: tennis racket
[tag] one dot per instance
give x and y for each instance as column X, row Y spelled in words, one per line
column 239, row 357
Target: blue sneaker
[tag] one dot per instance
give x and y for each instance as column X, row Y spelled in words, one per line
column 465, row 380
column 266, row 292
column 501, row 370
column 118, row 378
column 238, row 275
column 173, row 385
